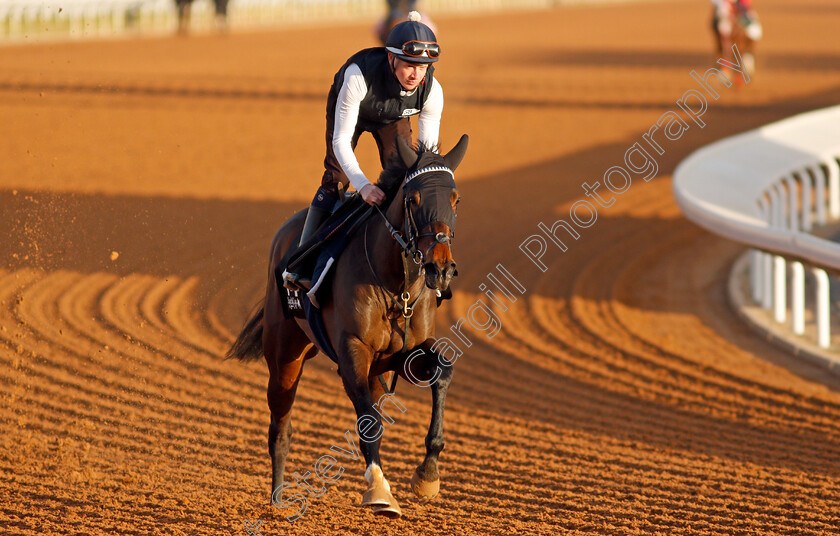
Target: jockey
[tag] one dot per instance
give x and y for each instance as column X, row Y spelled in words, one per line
column 725, row 14
column 376, row 91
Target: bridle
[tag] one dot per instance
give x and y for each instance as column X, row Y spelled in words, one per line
column 410, row 243
column 409, row 247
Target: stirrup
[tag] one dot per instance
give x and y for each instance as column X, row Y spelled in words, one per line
column 294, row 282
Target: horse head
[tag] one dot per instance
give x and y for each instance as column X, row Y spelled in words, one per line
column 431, row 198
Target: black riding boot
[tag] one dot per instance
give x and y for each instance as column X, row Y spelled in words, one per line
column 314, row 218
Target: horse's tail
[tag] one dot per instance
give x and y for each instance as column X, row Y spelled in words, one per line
column 248, row 345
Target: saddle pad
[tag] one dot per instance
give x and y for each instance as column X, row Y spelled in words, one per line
column 328, row 243
column 292, row 303
column 319, row 293
column 319, row 331
column 296, row 305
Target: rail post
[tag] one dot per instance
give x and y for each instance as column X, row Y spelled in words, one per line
column 833, row 188
column 822, row 308
column 797, row 299
column 793, row 203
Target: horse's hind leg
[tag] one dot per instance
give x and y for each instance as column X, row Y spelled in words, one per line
column 281, row 396
column 425, row 483
column 284, row 352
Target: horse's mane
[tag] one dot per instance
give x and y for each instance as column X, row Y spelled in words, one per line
column 392, row 176
column 395, row 170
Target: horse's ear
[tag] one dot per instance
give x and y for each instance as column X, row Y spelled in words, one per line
column 454, row 157
column 407, row 154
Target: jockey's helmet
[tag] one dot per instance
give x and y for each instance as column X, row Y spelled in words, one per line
column 413, row 41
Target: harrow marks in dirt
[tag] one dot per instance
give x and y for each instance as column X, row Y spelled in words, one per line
column 596, row 424
column 687, row 415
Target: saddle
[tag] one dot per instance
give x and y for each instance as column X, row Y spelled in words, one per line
column 315, row 257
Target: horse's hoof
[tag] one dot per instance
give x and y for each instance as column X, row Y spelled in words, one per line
column 377, row 496
column 424, row 489
column 393, row 510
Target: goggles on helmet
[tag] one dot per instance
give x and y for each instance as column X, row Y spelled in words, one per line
column 415, row 49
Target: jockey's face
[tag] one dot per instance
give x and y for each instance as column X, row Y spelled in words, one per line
column 408, row 74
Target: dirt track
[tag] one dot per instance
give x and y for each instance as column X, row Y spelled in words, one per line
column 141, row 181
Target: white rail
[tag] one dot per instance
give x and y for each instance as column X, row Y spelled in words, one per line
column 766, row 188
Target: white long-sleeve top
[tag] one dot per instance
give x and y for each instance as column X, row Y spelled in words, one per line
column 353, row 90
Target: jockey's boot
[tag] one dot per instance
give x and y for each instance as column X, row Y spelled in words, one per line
column 314, row 218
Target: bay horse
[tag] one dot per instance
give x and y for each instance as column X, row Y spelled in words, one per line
column 387, row 276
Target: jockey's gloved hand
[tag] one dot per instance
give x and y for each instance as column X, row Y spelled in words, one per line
column 372, row 194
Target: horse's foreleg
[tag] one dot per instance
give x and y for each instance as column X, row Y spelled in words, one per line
column 369, row 427
column 425, row 483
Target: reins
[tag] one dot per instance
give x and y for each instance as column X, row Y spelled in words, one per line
column 406, row 309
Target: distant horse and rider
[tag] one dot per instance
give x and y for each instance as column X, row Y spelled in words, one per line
column 184, row 11
column 736, row 22
column 397, row 12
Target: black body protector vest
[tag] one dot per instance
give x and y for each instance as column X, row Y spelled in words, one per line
column 386, row 102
